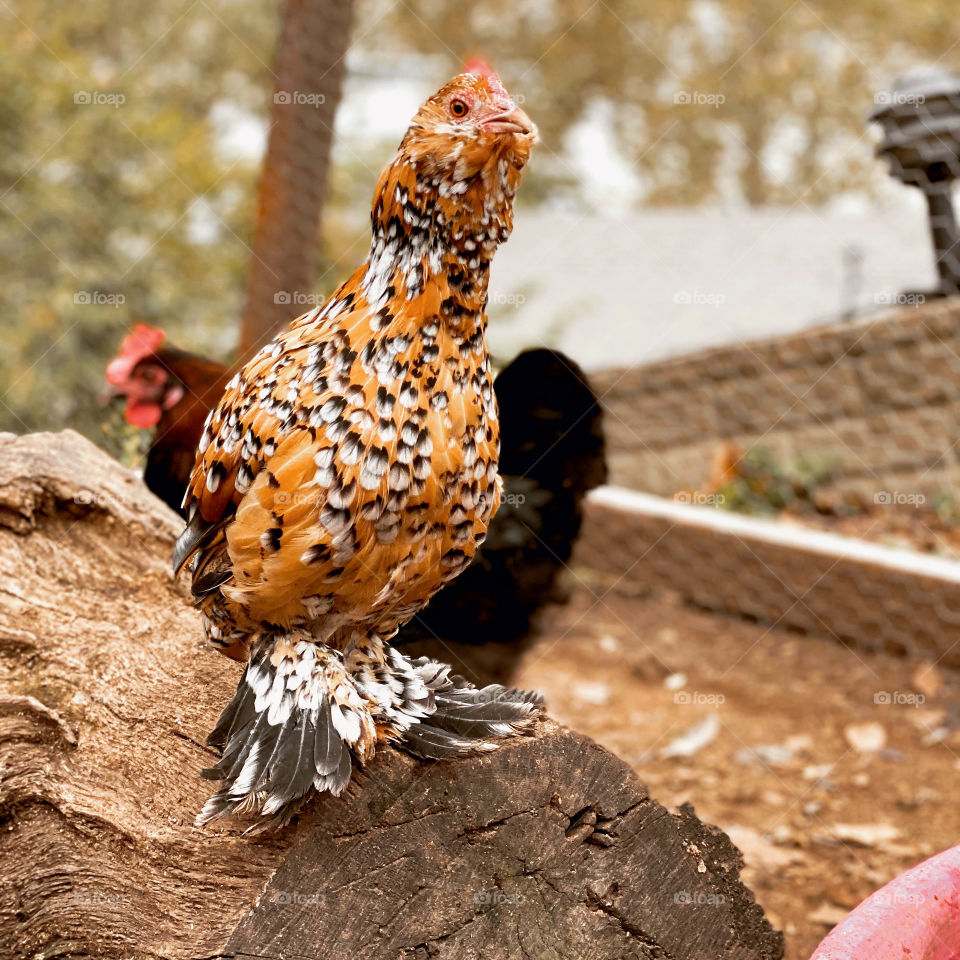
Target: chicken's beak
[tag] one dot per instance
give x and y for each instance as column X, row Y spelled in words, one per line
column 108, row 393
column 512, row 121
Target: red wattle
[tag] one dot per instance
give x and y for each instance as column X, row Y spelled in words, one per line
column 142, row 414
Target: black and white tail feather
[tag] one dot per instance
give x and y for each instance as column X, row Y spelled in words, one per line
column 303, row 712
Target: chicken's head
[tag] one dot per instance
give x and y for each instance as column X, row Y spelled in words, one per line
column 139, row 374
column 469, row 124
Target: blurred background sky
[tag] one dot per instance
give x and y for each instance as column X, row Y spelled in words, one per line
column 706, row 172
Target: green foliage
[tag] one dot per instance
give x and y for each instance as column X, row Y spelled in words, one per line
column 118, row 201
column 108, row 154
column 946, row 506
column 765, row 485
column 705, row 94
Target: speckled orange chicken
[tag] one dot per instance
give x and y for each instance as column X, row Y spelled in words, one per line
column 350, row 470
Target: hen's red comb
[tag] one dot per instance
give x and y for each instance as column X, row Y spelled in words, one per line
column 480, row 68
column 140, row 343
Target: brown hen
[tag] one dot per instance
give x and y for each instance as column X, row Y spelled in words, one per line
column 172, row 391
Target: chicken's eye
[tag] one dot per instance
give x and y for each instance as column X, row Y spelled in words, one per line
column 458, row 108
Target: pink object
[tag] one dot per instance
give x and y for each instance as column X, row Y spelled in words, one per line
column 140, row 343
column 916, row 916
column 478, row 67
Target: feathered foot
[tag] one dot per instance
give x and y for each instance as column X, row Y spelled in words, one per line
column 431, row 713
column 294, row 724
column 465, row 719
column 303, row 711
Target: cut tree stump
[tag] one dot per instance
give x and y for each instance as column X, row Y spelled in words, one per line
column 549, row 847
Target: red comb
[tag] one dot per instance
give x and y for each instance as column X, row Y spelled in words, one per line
column 140, row 343
column 478, row 67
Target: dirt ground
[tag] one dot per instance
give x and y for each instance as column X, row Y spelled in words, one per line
column 832, row 769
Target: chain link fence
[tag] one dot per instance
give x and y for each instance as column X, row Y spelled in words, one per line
column 810, row 481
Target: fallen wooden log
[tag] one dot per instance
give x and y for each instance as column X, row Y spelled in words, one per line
column 549, row 847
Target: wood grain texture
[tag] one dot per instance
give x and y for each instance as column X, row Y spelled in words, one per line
column 549, row 847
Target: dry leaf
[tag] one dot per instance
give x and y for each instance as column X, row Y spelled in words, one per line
column 695, row 739
column 759, row 852
column 865, row 834
column 927, row 679
column 828, row 915
column 866, row 737
column 591, row 692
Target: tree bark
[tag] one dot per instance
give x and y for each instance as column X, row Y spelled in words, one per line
column 548, row 848
column 309, row 70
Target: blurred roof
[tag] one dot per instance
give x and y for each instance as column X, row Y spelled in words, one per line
column 628, row 291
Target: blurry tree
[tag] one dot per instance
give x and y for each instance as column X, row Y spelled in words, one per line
column 739, row 99
column 131, row 136
column 309, row 67
column 126, row 191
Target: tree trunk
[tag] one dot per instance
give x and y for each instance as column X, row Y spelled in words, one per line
column 309, row 71
column 549, row 847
